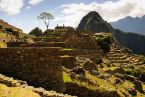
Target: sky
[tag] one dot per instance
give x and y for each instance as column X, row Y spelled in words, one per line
column 23, row 13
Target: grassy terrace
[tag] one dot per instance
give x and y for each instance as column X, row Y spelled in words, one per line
column 103, row 85
column 94, row 87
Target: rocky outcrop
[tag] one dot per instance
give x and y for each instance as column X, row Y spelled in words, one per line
column 85, row 92
column 89, row 65
column 94, row 23
column 10, row 29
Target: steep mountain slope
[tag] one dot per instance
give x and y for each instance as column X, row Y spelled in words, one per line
column 93, row 22
column 133, row 41
column 130, row 24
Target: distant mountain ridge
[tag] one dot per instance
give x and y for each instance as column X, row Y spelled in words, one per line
column 94, row 23
column 130, row 24
column 133, row 41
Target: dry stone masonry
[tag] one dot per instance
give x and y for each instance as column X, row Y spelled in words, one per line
column 38, row 66
column 11, row 82
column 40, row 63
column 117, row 55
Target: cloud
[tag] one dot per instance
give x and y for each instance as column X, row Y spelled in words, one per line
column 11, row 7
column 28, row 7
column 109, row 10
column 35, row 2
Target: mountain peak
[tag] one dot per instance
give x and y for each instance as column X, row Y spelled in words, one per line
column 95, row 16
column 94, row 23
column 129, row 17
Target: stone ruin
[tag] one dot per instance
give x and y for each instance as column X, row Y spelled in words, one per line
column 38, row 66
column 11, row 82
column 39, row 63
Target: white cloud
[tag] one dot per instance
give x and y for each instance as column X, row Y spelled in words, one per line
column 11, row 7
column 35, row 2
column 28, row 7
column 110, row 11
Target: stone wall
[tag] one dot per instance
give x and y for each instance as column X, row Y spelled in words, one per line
column 78, row 52
column 15, row 44
column 45, row 44
column 49, row 39
column 84, row 45
column 38, row 66
column 68, row 61
column 11, row 82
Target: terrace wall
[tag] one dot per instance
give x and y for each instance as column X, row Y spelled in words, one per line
column 45, row 44
column 38, row 66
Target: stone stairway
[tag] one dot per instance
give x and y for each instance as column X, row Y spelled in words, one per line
column 117, row 55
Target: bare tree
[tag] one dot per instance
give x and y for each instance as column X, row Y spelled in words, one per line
column 46, row 17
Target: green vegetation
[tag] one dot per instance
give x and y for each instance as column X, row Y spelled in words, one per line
column 68, row 49
column 28, row 37
column 1, row 27
column 66, row 77
column 2, row 45
column 48, row 32
column 65, row 56
column 142, row 58
column 98, row 61
column 104, row 42
column 133, row 41
column 36, row 32
column 2, row 35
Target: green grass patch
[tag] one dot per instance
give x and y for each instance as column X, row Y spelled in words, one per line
column 66, row 77
column 2, row 45
column 68, row 49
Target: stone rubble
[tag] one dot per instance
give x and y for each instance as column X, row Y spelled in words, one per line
column 10, row 82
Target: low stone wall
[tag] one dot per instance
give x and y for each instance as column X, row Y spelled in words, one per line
column 38, row 66
column 49, row 39
column 15, row 44
column 84, row 45
column 45, row 44
column 78, row 52
column 10, row 82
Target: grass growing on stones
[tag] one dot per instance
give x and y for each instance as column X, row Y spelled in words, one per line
column 2, row 35
column 101, row 82
column 66, row 56
column 68, row 49
column 66, row 77
column 2, row 45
